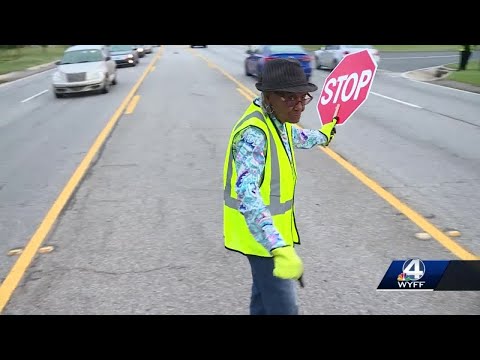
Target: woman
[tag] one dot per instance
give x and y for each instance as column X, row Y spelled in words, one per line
column 259, row 184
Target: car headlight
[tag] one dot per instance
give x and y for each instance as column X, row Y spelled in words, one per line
column 129, row 56
column 59, row 76
column 140, row 49
column 95, row 75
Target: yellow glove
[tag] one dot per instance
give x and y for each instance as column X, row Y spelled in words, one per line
column 287, row 264
column 329, row 130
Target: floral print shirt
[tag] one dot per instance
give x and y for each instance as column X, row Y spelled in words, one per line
column 249, row 148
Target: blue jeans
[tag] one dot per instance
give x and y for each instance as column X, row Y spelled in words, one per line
column 270, row 295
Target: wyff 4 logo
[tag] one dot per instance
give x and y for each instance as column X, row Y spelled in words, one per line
column 412, row 271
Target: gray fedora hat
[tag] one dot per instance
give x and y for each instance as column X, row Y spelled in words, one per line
column 284, row 75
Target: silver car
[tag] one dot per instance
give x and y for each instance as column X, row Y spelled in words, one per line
column 148, row 49
column 84, row 68
column 330, row 55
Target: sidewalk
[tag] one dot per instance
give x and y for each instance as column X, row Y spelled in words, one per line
column 438, row 75
column 24, row 73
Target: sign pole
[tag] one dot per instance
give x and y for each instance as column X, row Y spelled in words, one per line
column 336, row 111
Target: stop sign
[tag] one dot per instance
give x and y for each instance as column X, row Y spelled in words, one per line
column 348, row 85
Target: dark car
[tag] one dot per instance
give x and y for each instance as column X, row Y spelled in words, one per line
column 258, row 56
column 140, row 50
column 124, row 55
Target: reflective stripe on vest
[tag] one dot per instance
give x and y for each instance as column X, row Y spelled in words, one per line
column 275, row 207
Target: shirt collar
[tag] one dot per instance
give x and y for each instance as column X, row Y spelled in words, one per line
column 276, row 122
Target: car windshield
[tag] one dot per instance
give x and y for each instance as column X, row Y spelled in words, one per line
column 277, row 49
column 81, row 56
column 121, row 47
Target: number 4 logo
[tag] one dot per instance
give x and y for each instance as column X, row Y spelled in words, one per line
column 414, row 269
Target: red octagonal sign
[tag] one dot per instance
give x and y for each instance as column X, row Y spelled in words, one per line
column 348, row 85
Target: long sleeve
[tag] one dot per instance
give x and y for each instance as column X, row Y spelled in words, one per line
column 249, row 153
column 306, row 138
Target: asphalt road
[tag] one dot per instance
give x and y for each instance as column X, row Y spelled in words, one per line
column 42, row 141
column 143, row 233
column 406, row 61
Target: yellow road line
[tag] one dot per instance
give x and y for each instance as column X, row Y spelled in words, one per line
column 239, row 84
column 414, row 216
column 247, row 96
column 132, row 104
column 23, row 262
column 152, row 69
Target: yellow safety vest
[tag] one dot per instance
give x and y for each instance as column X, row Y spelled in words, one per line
column 277, row 189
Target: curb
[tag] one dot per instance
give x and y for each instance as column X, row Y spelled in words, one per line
column 16, row 75
column 438, row 75
column 429, row 74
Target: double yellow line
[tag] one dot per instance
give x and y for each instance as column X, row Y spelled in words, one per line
column 23, row 262
column 414, row 216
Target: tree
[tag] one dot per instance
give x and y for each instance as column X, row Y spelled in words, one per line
column 464, row 57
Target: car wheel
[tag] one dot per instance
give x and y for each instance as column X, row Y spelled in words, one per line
column 114, row 82
column 106, row 87
column 246, row 70
column 259, row 72
column 58, row 96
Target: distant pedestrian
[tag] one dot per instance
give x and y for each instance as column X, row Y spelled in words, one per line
column 465, row 54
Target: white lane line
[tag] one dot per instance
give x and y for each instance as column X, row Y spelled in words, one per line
column 399, row 101
column 418, row 57
column 34, row 96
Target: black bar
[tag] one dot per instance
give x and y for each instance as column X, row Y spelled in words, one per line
column 460, row 275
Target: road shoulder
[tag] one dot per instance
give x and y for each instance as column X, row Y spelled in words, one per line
column 16, row 75
column 438, row 75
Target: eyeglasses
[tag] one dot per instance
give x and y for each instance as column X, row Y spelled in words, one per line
column 291, row 100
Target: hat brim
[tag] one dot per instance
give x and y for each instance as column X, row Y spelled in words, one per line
column 293, row 89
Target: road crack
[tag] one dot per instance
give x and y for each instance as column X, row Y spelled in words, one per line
column 37, row 274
